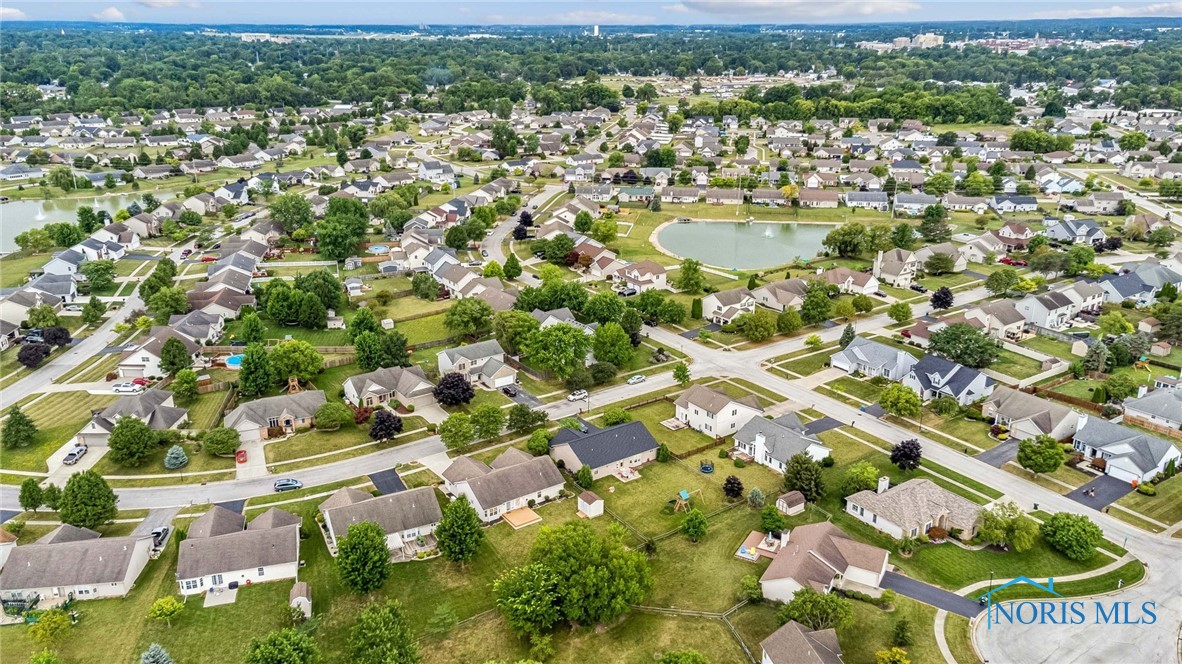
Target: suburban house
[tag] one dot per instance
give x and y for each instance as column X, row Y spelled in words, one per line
column 405, row 516
column 272, row 417
column 897, row 267
column 1075, row 231
column 822, row 557
column 1015, row 235
column 406, row 385
column 607, row 451
column 481, row 363
column 999, row 319
column 872, row 358
column 981, row 248
column 959, row 263
column 1084, row 296
column 782, row 294
column 71, row 562
column 934, row 377
column 818, row 198
column 851, row 281
column 1009, row 203
column 152, row 407
column 1161, row 408
column 223, row 551
column 914, row 204
column 144, row 361
column 1027, row 416
column 514, row 480
column 796, row 644
column 773, row 442
column 910, row 509
column 1051, row 310
column 870, row 200
column 1123, row 453
column 1100, row 202
column 715, row 413
column 643, row 276
column 725, row 306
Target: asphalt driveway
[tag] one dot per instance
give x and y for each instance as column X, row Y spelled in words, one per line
column 1000, row 455
column 929, row 594
column 818, row 426
column 387, row 481
column 693, row 334
column 1108, row 491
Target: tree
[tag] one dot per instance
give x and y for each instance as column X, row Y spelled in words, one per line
column 31, row 496
column 155, row 654
column 459, row 533
column 903, row 236
column 166, row 608
column 963, row 343
column 529, row 597
column 817, row 611
column 844, row 309
column 559, row 348
column 804, row 475
column 583, row 476
column 184, row 385
column 938, row 264
column 100, row 275
column 1004, row 524
column 34, row 241
column 1114, row 323
column 900, row 400
column 934, row 228
column 131, row 442
column 488, row 421
column 681, row 374
column 19, row 429
column 732, row 487
column 323, row 285
column 610, row 343
column 694, row 525
column 56, row 336
column 899, row 312
column 1002, row 281
column 385, row 425
column 424, row 287
column 513, row 329
column 468, row 317
column 861, row 476
column 907, row 454
column 522, row 418
column 43, row 316
column 894, row 655
column 52, row 496
column 816, row 306
column 87, row 501
column 1121, row 386
column 862, row 303
column 1097, row 357
column 539, row 443
column 254, row 375
column 771, row 520
column 382, row 636
column 32, row 354
column 942, row 298
column 166, row 302
column 788, row 321
column 939, row 184
column 335, row 239
column 175, row 458
column 222, row 440
column 670, row 312
column 690, row 278
column 292, row 211
column 1041, row 454
column 604, row 307
column 92, row 313
column 512, row 267
column 295, row 358
column 174, row 357
column 1073, row 535
column 332, row 415
column 848, row 240
column 1133, row 141
column 286, row 646
column 363, row 558
column 51, row 627
column 454, row 389
column 457, row 431
column 689, row 656
column 847, row 336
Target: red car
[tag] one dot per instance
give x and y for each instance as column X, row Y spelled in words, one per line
column 906, row 333
column 1019, row 263
column 1005, row 260
column 141, row 381
column 208, row 259
column 241, row 456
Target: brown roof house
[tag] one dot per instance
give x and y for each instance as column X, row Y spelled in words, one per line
column 715, row 413
column 275, row 416
column 822, row 557
column 912, row 508
column 405, row 516
column 152, row 407
column 513, row 480
column 796, row 644
column 223, row 551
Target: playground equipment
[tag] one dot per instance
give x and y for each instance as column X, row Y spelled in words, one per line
column 706, row 466
column 1143, row 363
column 682, row 501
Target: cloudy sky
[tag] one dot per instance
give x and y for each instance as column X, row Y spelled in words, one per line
column 570, row 12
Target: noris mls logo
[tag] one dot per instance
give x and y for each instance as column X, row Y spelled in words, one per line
column 1078, row 612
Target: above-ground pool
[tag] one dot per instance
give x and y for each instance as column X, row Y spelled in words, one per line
column 378, row 249
column 234, row 361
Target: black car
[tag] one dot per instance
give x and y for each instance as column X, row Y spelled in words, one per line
column 918, row 289
column 509, row 391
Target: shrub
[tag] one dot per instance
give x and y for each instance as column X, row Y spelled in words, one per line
column 362, row 415
column 739, row 463
column 828, row 462
column 1147, row 489
column 723, row 453
column 937, row 533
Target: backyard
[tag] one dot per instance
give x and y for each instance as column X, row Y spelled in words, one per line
column 57, row 416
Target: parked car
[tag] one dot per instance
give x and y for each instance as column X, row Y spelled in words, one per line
column 208, row 259
column 1017, row 262
column 918, row 289
column 73, row 308
column 240, row 456
column 74, row 455
column 879, row 294
column 127, row 388
column 1005, row 260
column 288, row 485
column 509, row 391
column 577, row 395
column 484, row 252
column 159, row 535
column 141, row 381
column 906, row 333
column 637, row 379
column 628, row 292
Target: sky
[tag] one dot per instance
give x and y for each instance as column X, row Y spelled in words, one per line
column 571, row 12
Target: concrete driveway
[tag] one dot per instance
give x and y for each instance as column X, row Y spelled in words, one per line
column 1108, row 491
column 929, row 594
column 156, row 518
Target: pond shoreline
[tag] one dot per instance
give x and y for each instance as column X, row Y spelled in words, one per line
column 655, row 241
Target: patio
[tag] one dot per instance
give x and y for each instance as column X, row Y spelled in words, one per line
column 424, row 544
column 758, row 545
column 220, row 596
column 626, row 474
column 521, row 517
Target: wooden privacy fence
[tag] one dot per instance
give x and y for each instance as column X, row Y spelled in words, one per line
column 1074, row 401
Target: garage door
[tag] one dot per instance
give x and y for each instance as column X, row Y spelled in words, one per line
column 504, row 381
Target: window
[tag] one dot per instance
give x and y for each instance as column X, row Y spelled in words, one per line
column 190, row 584
column 873, row 518
column 914, row 532
column 927, row 526
column 273, row 422
column 734, row 412
column 261, row 571
column 215, row 580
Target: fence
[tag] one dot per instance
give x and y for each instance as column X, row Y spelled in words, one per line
column 1172, row 432
column 339, row 361
column 234, row 350
column 1165, row 365
column 537, row 374
column 214, row 387
column 1074, row 401
column 698, row 450
column 1054, row 334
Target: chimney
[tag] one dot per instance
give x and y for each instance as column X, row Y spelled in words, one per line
column 1141, row 390
column 884, row 483
column 760, row 439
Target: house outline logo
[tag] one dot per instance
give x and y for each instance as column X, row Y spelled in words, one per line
column 1050, row 588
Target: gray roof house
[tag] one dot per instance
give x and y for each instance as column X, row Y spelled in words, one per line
column 1075, row 231
column 1028, row 416
column 220, row 553
column 513, row 481
column 404, row 516
column 934, row 377
column 1159, row 408
column 482, row 362
column 911, row 508
column 407, row 385
column 796, row 644
column 74, row 562
column 605, row 451
column 872, row 358
column 1123, row 453
column 152, row 407
column 773, row 442
column 285, row 413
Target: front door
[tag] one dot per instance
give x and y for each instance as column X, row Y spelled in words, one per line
column 215, row 580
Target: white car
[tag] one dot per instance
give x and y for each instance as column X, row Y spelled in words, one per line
column 637, row 379
column 73, row 308
column 127, row 388
column 577, row 395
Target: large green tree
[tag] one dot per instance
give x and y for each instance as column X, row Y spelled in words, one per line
column 963, row 343
column 363, row 557
column 286, row 646
column 382, row 636
column 131, row 442
column 559, row 348
column 1041, row 454
column 295, row 358
column 459, row 532
column 87, row 501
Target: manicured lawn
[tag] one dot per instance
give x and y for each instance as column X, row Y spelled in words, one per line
column 704, row 576
column 970, row 431
column 1082, row 389
column 94, row 370
column 483, row 397
column 737, row 391
column 319, row 442
column 1060, row 349
column 57, row 416
column 154, row 464
column 1165, row 507
column 644, row 502
column 763, row 392
column 205, row 411
column 259, row 504
column 959, row 638
column 861, row 389
column 404, row 307
column 952, row 567
column 1018, row 366
column 422, row 330
column 808, row 364
column 14, row 268
column 682, row 440
column 1129, row 573
column 872, row 628
column 512, row 546
column 951, row 280
column 271, row 331
column 330, row 380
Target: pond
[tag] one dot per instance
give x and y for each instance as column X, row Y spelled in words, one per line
column 17, row 217
column 743, row 246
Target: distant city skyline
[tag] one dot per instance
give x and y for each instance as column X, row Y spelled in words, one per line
column 571, row 12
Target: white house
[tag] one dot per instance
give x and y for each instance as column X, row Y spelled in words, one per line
column 482, row 363
column 152, row 407
column 74, row 562
column 1123, row 453
column 715, row 413
column 615, row 449
column 822, row 557
column 897, row 267
column 934, row 377
column 1051, row 310
column 144, row 361
column 514, row 480
column 220, row 553
column 912, row 508
column 772, row 443
column 725, row 306
column 404, row 516
column 872, row 358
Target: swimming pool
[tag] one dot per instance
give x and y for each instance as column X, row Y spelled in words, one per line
column 378, row 249
column 234, row 361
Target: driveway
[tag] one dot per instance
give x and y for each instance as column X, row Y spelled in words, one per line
column 526, row 399
column 1108, row 491
column 156, row 518
column 387, row 481
column 233, row 505
column 1000, row 455
column 822, row 425
column 975, row 275
column 693, row 334
column 929, row 594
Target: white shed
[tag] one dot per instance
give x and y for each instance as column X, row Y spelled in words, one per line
column 301, row 598
column 590, row 505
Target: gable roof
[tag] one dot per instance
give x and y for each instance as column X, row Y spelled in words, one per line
column 217, row 521
column 936, row 373
column 497, row 486
column 394, row 512
column 784, row 437
column 817, row 552
column 89, row 561
column 874, row 354
column 713, row 401
column 915, row 502
column 301, row 405
column 1018, row 405
column 242, row 549
column 409, row 381
column 1143, row 450
column 793, row 644
column 476, row 351
column 600, row 447
column 146, row 406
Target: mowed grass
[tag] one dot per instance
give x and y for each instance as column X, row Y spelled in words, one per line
column 57, row 416
column 1127, row 574
column 422, row 330
column 349, row 436
column 1165, row 507
column 956, row 634
column 199, row 461
column 1060, row 349
column 14, row 268
column 1018, row 366
column 645, row 503
column 1082, row 389
column 872, row 630
column 205, row 411
column 680, row 441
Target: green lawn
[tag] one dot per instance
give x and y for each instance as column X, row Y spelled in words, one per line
column 861, row 389
column 952, row 567
column 872, row 628
column 951, row 280
column 154, row 464
column 14, row 268
column 319, row 442
column 682, row 440
column 809, row 364
column 1165, row 507
column 1018, row 366
column 1060, row 349
column 422, row 330
column 58, row 416
column 271, row 331
column 96, row 369
column 1082, row 389
column 1131, row 572
column 205, row 410
column 957, row 634
column 644, row 502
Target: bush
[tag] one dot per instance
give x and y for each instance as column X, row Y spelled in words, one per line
column 1147, row 489
column 723, row 453
column 739, row 463
column 362, row 415
column 828, row 462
